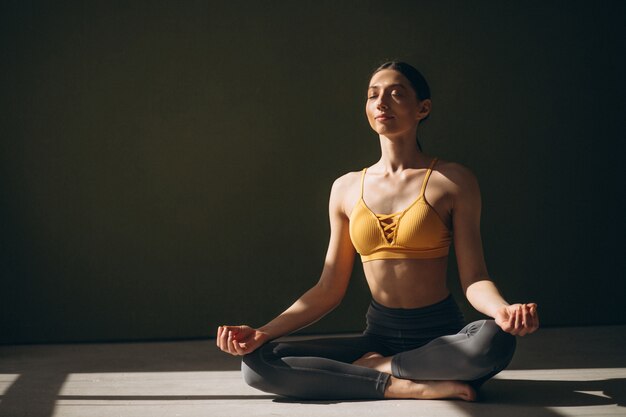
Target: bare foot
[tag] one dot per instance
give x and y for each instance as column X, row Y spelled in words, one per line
column 365, row 359
column 376, row 361
column 429, row 390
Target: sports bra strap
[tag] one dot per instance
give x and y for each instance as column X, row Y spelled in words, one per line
column 430, row 169
column 363, row 180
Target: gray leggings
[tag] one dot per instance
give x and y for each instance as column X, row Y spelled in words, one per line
column 427, row 343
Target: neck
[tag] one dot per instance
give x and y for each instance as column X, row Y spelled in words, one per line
column 399, row 153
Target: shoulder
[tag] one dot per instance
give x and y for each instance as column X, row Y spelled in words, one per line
column 346, row 182
column 345, row 189
column 459, row 178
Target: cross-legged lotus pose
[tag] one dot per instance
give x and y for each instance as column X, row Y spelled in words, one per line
column 401, row 214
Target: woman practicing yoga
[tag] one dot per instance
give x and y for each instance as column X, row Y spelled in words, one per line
column 401, row 214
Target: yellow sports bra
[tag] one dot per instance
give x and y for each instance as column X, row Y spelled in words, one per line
column 415, row 232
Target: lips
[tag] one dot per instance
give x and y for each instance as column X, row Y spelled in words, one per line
column 384, row 117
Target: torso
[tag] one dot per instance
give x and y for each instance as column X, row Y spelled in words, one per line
column 404, row 283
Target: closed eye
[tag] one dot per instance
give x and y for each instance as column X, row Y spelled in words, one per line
column 394, row 93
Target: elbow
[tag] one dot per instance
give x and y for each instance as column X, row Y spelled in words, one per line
column 335, row 298
column 331, row 297
column 470, row 284
column 336, row 301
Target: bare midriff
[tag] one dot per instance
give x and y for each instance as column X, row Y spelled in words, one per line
column 407, row 283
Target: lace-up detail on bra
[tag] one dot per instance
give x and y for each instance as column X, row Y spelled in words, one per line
column 389, row 223
column 415, row 232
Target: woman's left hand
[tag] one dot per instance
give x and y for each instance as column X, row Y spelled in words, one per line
column 518, row 319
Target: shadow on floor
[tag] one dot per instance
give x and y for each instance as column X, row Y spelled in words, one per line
column 555, row 393
column 536, row 394
column 523, row 398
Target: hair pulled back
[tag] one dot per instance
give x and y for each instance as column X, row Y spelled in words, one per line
column 417, row 80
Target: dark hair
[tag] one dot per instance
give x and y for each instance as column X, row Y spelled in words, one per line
column 417, row 80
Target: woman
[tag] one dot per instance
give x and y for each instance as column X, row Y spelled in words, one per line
column 415, row 344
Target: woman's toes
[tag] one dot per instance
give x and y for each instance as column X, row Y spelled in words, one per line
column 365, row 360
column 370, row 355
column 445, row 389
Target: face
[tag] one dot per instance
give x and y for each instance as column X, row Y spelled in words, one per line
column 392, row 105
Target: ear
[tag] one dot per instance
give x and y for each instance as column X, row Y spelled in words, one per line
column 423, row 109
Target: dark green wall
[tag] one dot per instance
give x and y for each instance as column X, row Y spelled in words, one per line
column 165, row 167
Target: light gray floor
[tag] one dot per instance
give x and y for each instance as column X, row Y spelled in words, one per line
column 556, row 372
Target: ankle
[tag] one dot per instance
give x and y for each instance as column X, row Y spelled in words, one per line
column 399, row 388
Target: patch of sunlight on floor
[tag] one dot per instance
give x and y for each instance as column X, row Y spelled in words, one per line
column 170, row 385
column 578, row 374
column 596, row 393
column 6, row 380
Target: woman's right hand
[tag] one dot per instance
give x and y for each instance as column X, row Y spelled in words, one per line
column 240, row 340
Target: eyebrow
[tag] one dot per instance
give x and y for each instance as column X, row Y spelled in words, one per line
column 392, row 85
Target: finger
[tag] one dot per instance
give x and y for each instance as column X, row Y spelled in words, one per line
column 535, row 317
column 238, row 348
column 224, row 339
column 229, row 342
column 532, row 316
column 219, row 333
column 525, row 317
column 519, row 325
column 518, row 322
column 523, row 314
column 220, row 330
column 518, row 318
column 511, row 321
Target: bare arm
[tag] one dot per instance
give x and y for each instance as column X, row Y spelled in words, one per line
column 318, row 301
column 479, row 289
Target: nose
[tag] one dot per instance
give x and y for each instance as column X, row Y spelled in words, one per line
column 380, row 104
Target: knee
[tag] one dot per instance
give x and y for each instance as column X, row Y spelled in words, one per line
column 251, row 370
column 256, row 371
column 496, row 346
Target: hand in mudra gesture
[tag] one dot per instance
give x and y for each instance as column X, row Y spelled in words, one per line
column 518, row 319
column 239, row 340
